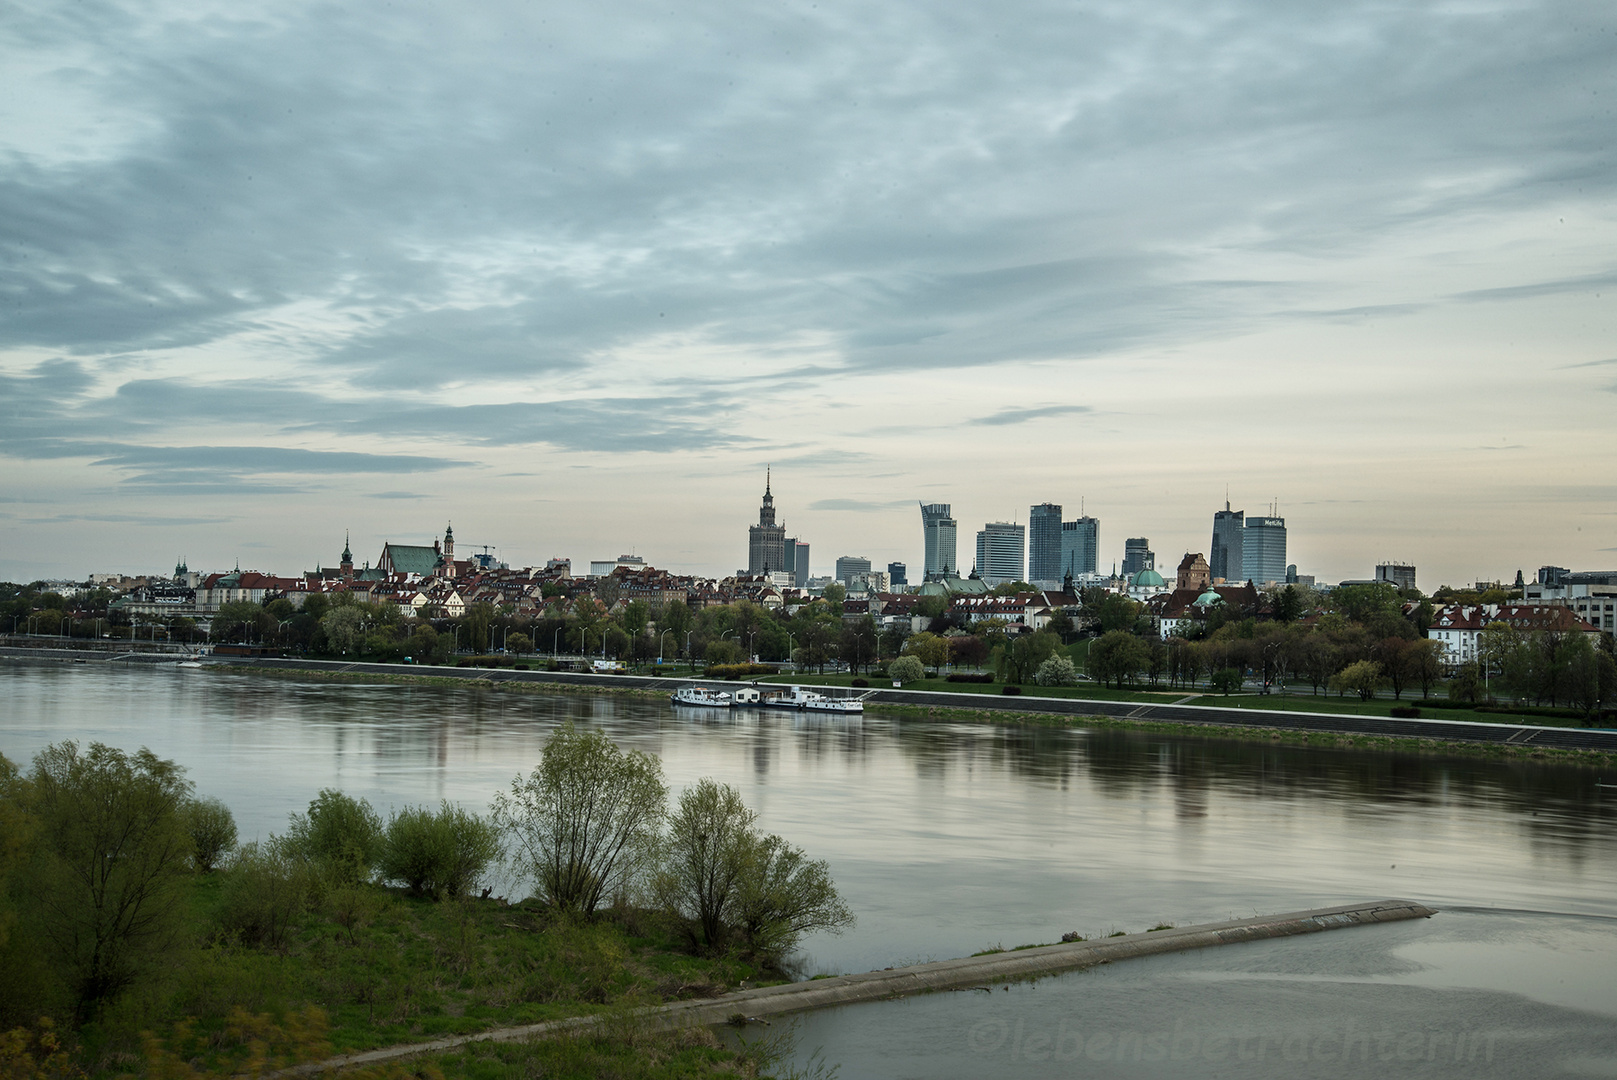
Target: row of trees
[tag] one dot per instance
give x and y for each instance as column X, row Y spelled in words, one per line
column 98, row 847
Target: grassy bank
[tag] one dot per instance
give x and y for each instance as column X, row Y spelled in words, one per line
column 367, row 967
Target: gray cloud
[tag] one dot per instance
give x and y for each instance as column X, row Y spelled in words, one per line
column 1021, row 416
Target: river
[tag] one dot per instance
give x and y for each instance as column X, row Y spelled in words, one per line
column 950, row 838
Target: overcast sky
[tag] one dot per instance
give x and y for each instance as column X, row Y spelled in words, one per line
column 573, row 279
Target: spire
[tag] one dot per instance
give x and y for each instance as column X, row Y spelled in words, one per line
column 767, row 470
column 347, row 555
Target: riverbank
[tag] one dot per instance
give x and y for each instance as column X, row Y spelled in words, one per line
column 1595, row 748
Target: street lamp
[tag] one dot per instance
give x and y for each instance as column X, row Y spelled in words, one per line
column 660, row 637
column 554, row 638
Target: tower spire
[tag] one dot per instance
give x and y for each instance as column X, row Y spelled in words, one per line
column 767, row 470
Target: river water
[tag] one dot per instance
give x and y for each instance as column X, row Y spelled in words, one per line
column 947, row 839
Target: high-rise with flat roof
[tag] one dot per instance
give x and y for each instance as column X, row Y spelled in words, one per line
column 1225, row 561
column 1044, row 542
column 938, row 532
column 851, row 566
column 1000, row 547
column 1080, row 547
column 797, row 560
column 1137, row 556
column 1263, row 550
column 1400, row 574
column 897, row 574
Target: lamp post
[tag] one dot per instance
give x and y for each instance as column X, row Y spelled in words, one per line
column 660, row 638
column 554, row 639
column 1272, row 646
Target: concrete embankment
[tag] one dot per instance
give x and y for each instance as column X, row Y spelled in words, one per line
column 1518, row 735
column 942, row 975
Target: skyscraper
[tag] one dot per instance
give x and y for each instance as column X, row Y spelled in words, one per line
column 938, row 530
column 1080, row 547
column 897, row 574
column 1044, row 543
column 797, row 560
column 1000, row 547
column 1263, row 551
column 766, row 541
column 1137, row 556
column 1225, row 561
column 850, row 567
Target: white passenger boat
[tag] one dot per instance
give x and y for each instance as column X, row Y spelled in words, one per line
column 798, row 697
column 701, row 695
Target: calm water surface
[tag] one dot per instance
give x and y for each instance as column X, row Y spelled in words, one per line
column 947, row 839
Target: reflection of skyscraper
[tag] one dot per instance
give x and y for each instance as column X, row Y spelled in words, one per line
column 999, row 552
column 766, row 541
column 938, row 530
column 1044, row 543
column 1263, row 550
column 1137, row 555
column 1225, row 561
column 1080, row 547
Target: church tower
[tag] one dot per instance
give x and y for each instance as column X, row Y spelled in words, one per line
column 766, row 541
column 347, row 564
column 449, row 550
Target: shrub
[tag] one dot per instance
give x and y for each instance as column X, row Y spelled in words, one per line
column 340, row 834
column 1405, row 712
column 971, row 676
column 785, row 895
column 266, row 889
column 1225, row 680
column 437, row 854
column 860, row 682
column 906, row 669
column 710, row 838
column 213, row 832
column 739, row 671
column 1010, row 690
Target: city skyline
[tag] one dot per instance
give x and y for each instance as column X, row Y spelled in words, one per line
column 572, row 277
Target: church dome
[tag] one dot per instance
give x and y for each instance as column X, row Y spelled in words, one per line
column 1147, row 579
column 1208, row 599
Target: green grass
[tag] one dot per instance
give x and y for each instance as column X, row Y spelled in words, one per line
column 410, row 970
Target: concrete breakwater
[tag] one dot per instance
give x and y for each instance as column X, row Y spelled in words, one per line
column 958, row 974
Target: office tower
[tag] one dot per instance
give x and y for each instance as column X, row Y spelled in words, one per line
column 1000, row 547
column 1044, row 542
column 851, row 566
column 1263, row 550
column 797, row 560
column 1080, row 547
column 1400, row 574
column 938, row 530
column 1137, row 556
column 1227, row 548
column 897, row 574
column 766, row 541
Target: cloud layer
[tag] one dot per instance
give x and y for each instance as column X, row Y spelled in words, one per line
column 293, row 250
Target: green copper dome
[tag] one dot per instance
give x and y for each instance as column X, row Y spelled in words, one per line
column 1208, row 599
column 1147, row 579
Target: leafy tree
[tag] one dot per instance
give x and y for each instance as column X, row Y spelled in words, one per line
column 1288, row 605
column 518, row 643
column 636, row 614
column 907, row 669
column 213, row 832
column 676, row 616
column 785, row 895
column 585, row 823
column 835, row 593
column 1393, row 656
column 1116, row 656
column 1022, row 658
column 240, row 619
column 112, row 850
column 1362, row 677
column 1425, row 662
column 1226, row 680
column 932, row 606
column 266, row 888
column 343, row 627
column 710, row 838
column 16, row 829
column 1466, row 684
column 858, row 643
column 437, row 854
column 1360, row 603
column 1114, row 611
column 930, row 649
column 968, row 650
column 340, row 834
